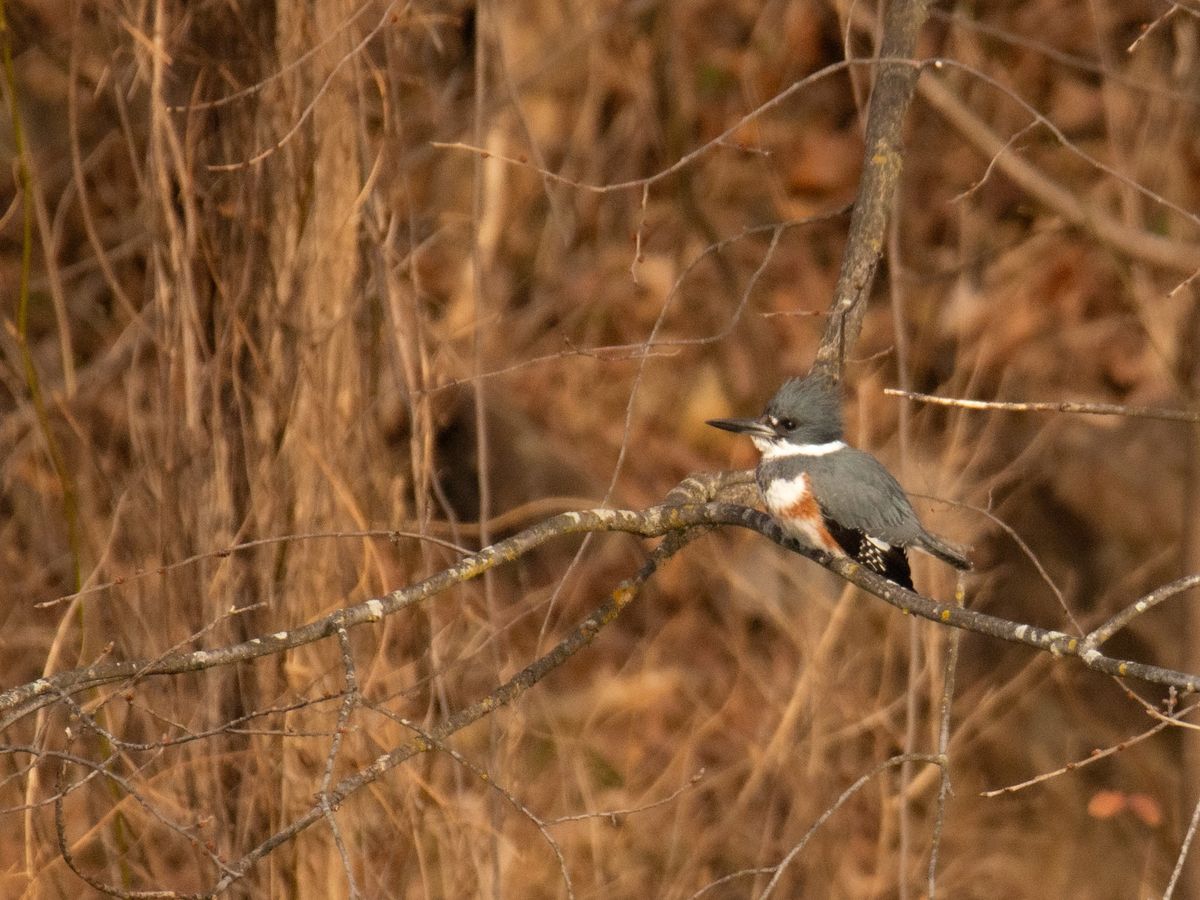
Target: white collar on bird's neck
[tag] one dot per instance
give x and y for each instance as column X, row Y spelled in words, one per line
column 777, row 449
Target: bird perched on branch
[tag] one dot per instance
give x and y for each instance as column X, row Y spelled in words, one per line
column 829, row 495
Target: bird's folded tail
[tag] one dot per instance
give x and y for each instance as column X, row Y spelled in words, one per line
column 943, row 550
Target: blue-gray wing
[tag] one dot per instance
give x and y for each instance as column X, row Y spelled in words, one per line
column 856, row 491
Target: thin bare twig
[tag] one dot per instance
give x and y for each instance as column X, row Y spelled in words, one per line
column 1063, row 58
column 1029, row 554
column 506, row 693
column 486, row 778
column 1153, row 26
column 311, row 106
column 1129, row 613
column 1137, row 243
column 634, row 391
column 616, row 814
column 720, row 141
column 776, row 871
column 1095, row 756
column 241, row 547
column 1096, row 409
column 308, row 54
column 1183, row 852
column 64, row 850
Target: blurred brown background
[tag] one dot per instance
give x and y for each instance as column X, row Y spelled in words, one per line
column 263, row 303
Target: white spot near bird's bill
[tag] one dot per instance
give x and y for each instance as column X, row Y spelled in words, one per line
column 776, row 448
column 764, row 445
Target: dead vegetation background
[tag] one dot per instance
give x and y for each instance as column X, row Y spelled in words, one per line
column 264, row 303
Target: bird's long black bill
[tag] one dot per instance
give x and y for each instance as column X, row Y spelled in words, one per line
column 742, row 426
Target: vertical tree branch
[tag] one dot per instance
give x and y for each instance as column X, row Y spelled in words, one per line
column 948, row 675
column 895, row 83
column 1187, row 874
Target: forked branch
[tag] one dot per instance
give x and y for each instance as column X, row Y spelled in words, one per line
column 697, row 506
column 671, row 518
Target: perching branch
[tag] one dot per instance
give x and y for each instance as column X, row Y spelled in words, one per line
column 656, row 521
column 696, row 506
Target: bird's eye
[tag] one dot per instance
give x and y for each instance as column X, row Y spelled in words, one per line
column 787, row 424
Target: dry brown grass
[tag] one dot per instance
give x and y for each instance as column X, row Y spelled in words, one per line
column 288, row 347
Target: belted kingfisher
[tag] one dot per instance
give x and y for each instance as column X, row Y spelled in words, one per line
column 829, row 495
